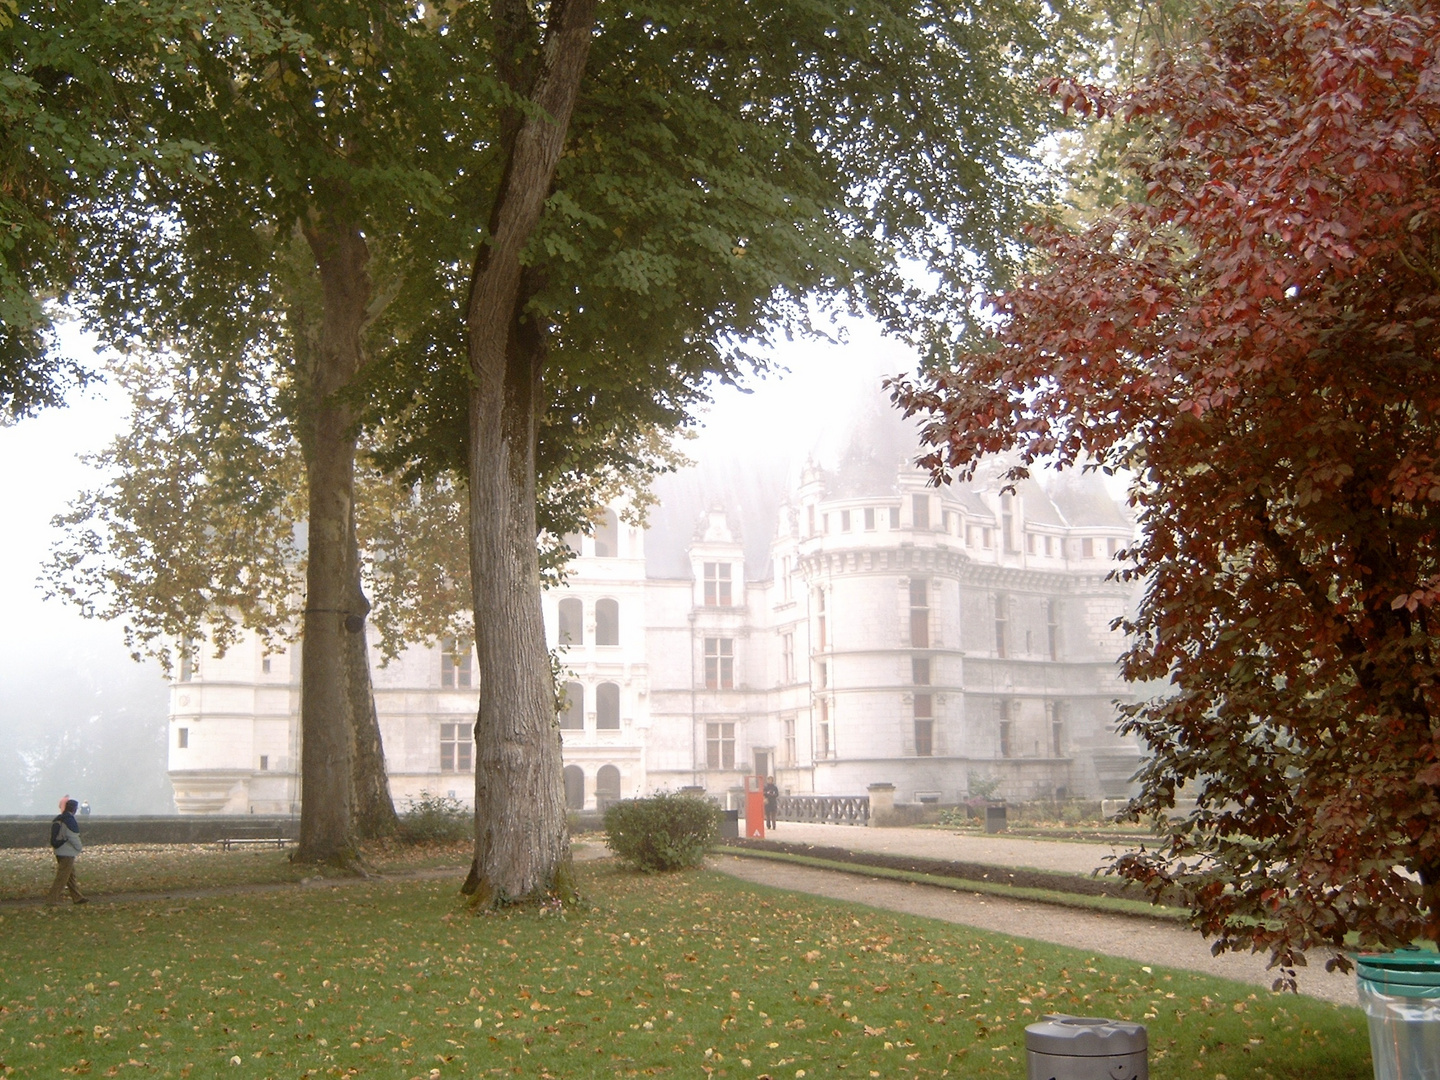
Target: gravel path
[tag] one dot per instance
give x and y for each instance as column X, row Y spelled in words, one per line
column 1147, row 941
column 995, row 850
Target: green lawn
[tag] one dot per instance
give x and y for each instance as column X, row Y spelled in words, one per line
column 107, row 869
column 670, row 975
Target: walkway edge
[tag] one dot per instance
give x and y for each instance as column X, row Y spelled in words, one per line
column 1108, row 905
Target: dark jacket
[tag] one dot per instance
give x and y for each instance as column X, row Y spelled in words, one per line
column 772, row 794
column 65, row 835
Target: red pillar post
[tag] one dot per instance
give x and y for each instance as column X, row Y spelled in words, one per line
column 755, row 806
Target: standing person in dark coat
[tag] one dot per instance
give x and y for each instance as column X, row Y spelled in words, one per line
column 65, row 840
column 772, row 801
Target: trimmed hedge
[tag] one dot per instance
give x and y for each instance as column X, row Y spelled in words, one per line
column 662, row 832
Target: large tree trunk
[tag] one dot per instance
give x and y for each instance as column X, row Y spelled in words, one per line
column 521, row 844
column 373, row 812
column 331, row 621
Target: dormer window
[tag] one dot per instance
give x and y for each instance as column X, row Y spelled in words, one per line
column 717, row 584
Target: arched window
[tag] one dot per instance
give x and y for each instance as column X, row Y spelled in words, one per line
column 607, row 536
column 607, row 622
column 573, row 541
column 575, row 787
column 607, row 786
column 572, row 622
column 572, row 718
column 607, row 707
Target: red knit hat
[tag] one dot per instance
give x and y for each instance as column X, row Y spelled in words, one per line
column 63, row 800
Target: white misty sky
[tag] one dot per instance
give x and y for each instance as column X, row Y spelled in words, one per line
column 792, row 411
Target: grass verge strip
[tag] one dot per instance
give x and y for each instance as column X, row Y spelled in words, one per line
column 1110, row 905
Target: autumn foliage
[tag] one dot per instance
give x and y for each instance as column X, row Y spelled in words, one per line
column 1256, row 337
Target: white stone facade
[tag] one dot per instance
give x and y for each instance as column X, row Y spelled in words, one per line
column 888, row 633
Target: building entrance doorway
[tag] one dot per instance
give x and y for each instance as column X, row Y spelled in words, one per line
column 764, row 759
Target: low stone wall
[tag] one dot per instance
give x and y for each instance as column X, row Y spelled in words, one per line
column 34, row 832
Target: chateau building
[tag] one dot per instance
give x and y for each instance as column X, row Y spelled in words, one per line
column 858, row 627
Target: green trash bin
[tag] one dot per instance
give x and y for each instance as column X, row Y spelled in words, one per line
column 1400, row 993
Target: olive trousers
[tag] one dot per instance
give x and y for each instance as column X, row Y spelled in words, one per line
column 65, row 879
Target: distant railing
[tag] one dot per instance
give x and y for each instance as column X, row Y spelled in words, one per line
column 834, row 809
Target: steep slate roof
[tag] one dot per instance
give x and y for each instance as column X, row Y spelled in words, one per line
column 880, row 441
column 749, row 487
column 751, row 483
column 1084, row 501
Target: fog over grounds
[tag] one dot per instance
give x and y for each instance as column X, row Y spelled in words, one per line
column 78, row 715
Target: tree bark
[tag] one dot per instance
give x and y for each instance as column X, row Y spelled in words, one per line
column 521, row 843
column 373, row 811
column 326, row 714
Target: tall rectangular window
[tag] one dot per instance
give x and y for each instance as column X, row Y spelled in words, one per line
column 844, row 520
column 182, row 738
column 924, row 725
column 1007, row 523
column 1049, row 545
column 717, row 584
column 1112, row 547
column 787, row 740
column 822, row 675
column 189, row 665
column 264, row 762
column 1057, row 730
column 820, row 641
column 787, row 658
column 455, row 747
column 719, row 663
column 265, row 665
column 1002, row 625
column 454, row 663
column 810, row 521
column 822, row 729
column 720, row 744
column 920, row 670
column 1007, row 732
column 869, row 519
column 894, row 517
column 920, row 511
column 1052, row 628
column 1087, row 548
column 920, row 614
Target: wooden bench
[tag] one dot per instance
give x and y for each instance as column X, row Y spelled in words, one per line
column 271, row 840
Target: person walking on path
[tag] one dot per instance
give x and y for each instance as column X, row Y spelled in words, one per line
column 772, row 800
column 65, row 839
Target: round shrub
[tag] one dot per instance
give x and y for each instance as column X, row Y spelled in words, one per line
column 662, row 832
column 435, row 819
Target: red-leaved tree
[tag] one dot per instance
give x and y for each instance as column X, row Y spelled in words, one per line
column 1256, row 338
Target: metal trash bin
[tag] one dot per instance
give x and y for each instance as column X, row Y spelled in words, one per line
column 1086, row 1048
column 995, row 818
column 729, row 824
column 1400, row 993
